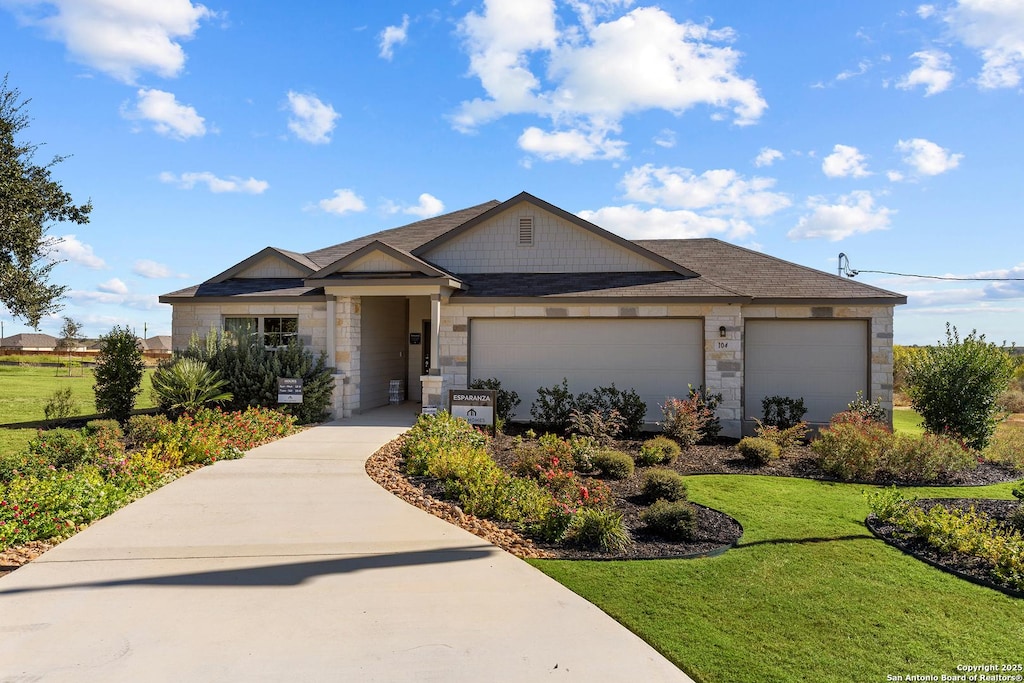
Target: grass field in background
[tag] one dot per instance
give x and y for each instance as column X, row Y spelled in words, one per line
column 907, row 421
column 808, row 594
column 26, row 390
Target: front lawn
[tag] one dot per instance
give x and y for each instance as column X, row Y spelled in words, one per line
column 906, row 420
column 26, row 389
column 808, row 594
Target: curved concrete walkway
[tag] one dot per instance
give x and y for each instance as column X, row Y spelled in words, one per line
column 292, row 565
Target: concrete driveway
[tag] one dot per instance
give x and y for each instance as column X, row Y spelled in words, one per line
column 292, row 565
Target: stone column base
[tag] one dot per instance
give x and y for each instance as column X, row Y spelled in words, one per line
column 433, row 391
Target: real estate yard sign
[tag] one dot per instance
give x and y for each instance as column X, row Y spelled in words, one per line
column 289, row 390
column 475, row 406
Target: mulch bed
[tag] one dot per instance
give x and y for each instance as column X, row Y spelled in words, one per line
column 967, row 567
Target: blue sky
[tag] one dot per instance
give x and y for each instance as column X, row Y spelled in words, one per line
column 890, row 131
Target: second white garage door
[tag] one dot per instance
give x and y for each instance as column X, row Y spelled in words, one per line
column 825, row 362
column 657, row 358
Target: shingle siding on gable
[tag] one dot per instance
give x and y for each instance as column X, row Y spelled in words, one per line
column 376, row 262
column 270, row 267
column 558, row 247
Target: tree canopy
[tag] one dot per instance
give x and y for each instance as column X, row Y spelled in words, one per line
column 30, row 200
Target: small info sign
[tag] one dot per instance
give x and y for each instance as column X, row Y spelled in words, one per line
column 289, row 390
column 475, row 406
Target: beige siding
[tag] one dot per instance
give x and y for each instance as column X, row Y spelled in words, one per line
column 559, row 247
column 271, row 266
column 383, row 348
column 376, row 262
column 200, row 319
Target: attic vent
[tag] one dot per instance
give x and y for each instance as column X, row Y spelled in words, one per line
column 526, row 231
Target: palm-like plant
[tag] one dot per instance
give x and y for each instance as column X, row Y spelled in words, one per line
column 188, row 384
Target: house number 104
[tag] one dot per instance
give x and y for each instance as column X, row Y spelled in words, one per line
column 722, row 345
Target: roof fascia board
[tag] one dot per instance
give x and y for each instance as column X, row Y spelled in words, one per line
column 241, row 298
column 605, row 300
column 396, row 283
column 408, row 259
column 894, row 300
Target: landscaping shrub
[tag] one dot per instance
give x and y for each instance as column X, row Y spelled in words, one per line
column 758, row 450
column 782, row 411
column 927, row 457
column 187, row 384
column 664, row 484
column 582, row 449
column 432, row 433
column 1007, row 446
column 672, row 520
column 144, row 430
column 901, row 359
column 871, row 411
column 1011, row 401
column 118, row 373
column 24, row 464
column 613, row 405
column 507, row 400
column 707, row 403
column 955, row 387
column 553, row 408
column 613, row 464
column 686, row 421
column 1017, row 518
column 61, row 405
column 107, row 449
column 597, row 425
column 657, row 451
column 783, row 438
column 597, row 529
column 65, row 449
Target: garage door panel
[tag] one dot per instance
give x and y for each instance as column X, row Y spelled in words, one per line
column 658, row 358
column 823, row 361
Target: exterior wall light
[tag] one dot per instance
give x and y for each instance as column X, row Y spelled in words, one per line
column 721, row 331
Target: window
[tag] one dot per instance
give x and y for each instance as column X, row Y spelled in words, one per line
column 275, row 331
column 526, row 231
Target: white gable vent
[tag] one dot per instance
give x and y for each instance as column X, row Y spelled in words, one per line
column 526, row 231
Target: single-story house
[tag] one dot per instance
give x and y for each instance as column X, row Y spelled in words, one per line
column 29, row 341
column 526, row 292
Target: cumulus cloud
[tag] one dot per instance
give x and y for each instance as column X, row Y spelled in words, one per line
column 152, row 270
column 141, row 302
column 666, row 138
column 187, row 181
column 113, row 286
column 995, row 30
column 635, row 222
column 311, row 120
column 845, row 162
column 767, row 156
column 853, row 214
column 121, row 38
column 428, row 206
column 70, row 248
column 393, row 35
column 926, row 157
column 719, row 192
column 933, row 72
column 894, row 176
column 167, row 116
column 344, row 201
column 598, row 71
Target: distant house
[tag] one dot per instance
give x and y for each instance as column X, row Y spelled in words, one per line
column 160, row 345
column 529, row 293
column 29, row 341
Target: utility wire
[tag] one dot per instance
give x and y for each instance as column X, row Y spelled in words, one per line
column 844, row 269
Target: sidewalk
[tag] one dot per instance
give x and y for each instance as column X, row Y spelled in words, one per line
column 292, row 565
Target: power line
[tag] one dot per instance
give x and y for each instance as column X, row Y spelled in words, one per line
column 844, row 269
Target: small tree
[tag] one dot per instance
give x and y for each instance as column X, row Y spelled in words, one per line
column 955, row 387
column 119, row 370
column 69, row 334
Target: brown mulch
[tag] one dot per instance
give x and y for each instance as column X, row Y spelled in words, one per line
column 12, row 558
column 968, row 567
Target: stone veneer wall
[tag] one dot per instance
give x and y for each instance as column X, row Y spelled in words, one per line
column 187, row 319
column 723, row 357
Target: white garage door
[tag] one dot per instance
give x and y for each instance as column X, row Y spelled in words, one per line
column 657, row 358
column 823, row 361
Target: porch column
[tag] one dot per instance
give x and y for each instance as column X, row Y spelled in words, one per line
column 435, row 334
column 332, row 325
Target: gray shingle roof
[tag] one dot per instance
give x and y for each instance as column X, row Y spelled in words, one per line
column 583, row 285
column 249, row 287
column 29, row 340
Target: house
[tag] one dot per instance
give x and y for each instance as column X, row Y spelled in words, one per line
column 526, row 292
column 157, row 346
column 29, row 341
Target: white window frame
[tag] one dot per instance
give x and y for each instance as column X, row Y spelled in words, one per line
column 260, row 329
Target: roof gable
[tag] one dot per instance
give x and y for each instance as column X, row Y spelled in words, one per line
column 268, row 263
column 378, row 258
column 560, row 243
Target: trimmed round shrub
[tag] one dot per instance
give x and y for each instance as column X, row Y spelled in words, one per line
column 613, row 464
column 1017, row 519
column 65, row 449
column 658, row 450
column 663, row 484
column 673, row 520
column 144, row 430
column 758, row 451
column 597, row 529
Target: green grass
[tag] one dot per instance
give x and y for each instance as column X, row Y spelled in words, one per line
column 808, row 594
column 908, row 421
column 27, row 389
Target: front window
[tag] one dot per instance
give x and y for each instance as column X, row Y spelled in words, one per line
column 240, row 328
column 280, row 331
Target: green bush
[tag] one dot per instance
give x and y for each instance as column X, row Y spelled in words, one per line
column 673, row 520
column 61, row 405
column 657, row 451
column 597, row 529
column 597, row 425
column 507, row 400
column 613, row 464
column 664, row 484
column 707, row 404
column 24, row 464
column 1007, row 446
column 783, row 438
column 187, row 384
column 582, row 449
column 687, row 420
column 613, row 405
column 782, row 411
column 65, row 449
column 956, row 386
column 144, row 430
column 118, row 373
column 433, row 433
column 871, row 411
column 553, row 408
column 758, row 451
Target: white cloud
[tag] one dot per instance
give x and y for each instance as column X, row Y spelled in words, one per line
column 113, row 286
column 343, row 202
column 634, row 222
column 428, row 206
column 119, row 37
column 69, row 248
column 894, row 176
column 995, row 29
column 768, row 156
column 933, row 72
column 312, row 120
column 597, row 72
column 153, row 270
column 167, row 115
column 855, row 213
column 187, row 181
column 666, row 138
column 393, row 35
column 572, row 145
column 141, row 302
column 926, row 157
column 845, row 162
column 862, row 68
column 925, row 11
column 719, row 192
